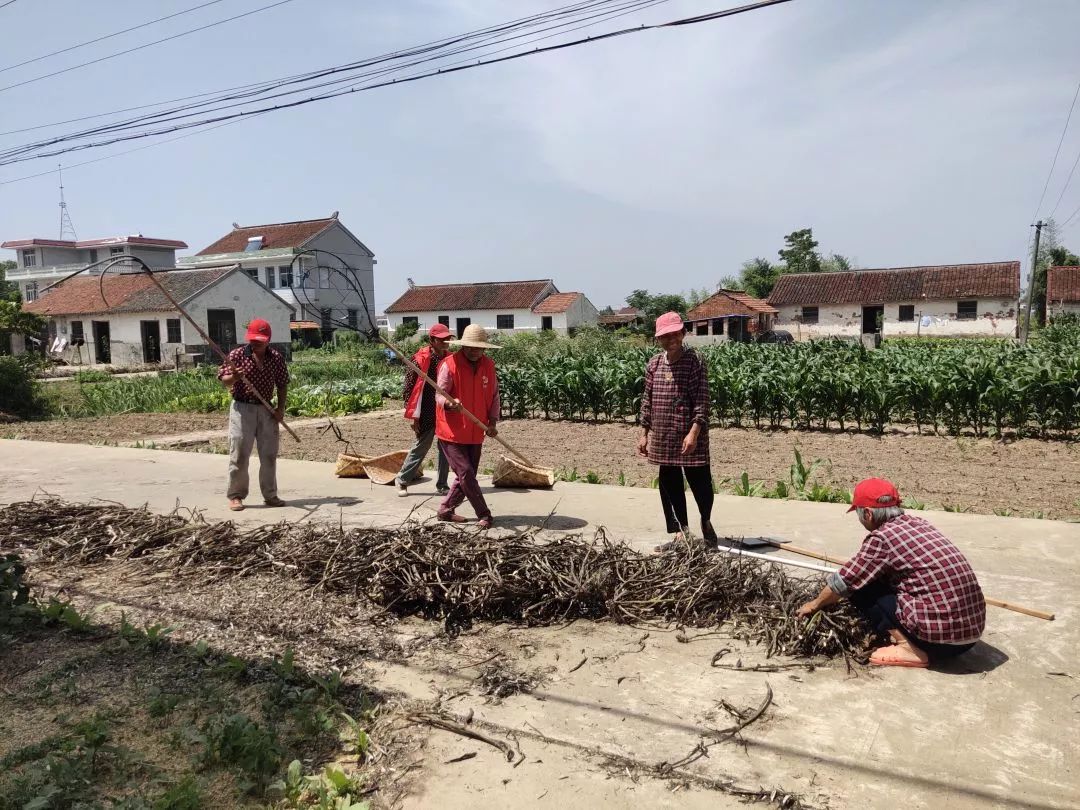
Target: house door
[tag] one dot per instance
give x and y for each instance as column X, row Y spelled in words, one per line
column 151, row 341
column 545, row 323
column 461, row 324
column 102, row 346
column 221, row 326
column 871, row 320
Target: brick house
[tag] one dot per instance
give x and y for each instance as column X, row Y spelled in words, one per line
column 1062, row 291
column 729, row 315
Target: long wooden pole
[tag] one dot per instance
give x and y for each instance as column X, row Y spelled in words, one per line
column 476, row 421
column 806, row 552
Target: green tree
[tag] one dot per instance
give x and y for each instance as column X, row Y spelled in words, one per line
column 14, row 321
column 9, row 290
column 837, row 263
column 758, row 276
column 800, row 252
column 653, row 306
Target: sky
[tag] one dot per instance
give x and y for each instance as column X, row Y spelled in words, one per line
column 903, row 133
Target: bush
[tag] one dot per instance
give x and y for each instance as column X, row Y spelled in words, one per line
column 14, row 592
column 405, row 330
column 20, row 393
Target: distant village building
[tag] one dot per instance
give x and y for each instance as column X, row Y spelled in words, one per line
column 621, row 318
column 500, row 306
column 266, row 253
column 40, row 262
column 729, row 315
column 953, row 300
column 1062, row 291
column 134, row 323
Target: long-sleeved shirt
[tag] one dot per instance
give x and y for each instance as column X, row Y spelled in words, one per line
column 938, row 598
column 676, row 397
column 446, row 383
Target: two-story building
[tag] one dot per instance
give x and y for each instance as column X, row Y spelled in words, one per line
column 41, row 262
column 298, row 261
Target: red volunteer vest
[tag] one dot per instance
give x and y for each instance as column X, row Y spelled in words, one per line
column 475, row 388
column 423, row 359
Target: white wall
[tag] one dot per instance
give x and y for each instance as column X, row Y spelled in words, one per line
column 581, row 312
column 525, row 320
column 1064, row 308
column 125, row 337
column 996, row 318
column 247, row 299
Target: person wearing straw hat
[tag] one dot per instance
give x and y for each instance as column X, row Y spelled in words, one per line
column 675, row 429
column 909, row 581
column 250, row 423
column 420, row 411
column 468, row 378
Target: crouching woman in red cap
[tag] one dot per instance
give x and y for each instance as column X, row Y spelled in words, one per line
column 675, row 428
column 909, row 581
column 250, row 423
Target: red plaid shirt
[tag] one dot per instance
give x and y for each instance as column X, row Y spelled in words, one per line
column 676, row 397
column 265, row 377
column 938, row 597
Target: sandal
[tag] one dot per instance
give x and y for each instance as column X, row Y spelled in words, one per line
column 486, row 523
column 275, row 501
column 452, row 517
column 236, row 505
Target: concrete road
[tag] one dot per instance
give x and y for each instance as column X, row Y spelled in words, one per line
column 998, row 729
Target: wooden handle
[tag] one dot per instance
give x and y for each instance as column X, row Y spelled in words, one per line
column 1038, row 614
column 416, row 369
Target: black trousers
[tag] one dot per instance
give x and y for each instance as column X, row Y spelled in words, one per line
column 877, row 602
column 673, row 494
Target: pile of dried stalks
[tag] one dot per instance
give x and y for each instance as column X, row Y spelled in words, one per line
column 442, row 573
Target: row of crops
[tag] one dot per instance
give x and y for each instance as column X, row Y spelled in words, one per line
column 989, row 387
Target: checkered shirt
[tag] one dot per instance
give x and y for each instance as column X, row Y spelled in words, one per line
column 271, row 374
column 676, row 396
column 938, row 598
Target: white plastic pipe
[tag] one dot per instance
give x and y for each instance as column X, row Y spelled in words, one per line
column 738, row 552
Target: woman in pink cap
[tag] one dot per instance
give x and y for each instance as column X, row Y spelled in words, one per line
column 675, row 428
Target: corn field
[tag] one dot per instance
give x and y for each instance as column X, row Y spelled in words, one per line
column 989, row 387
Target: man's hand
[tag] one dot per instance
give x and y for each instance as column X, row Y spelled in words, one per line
column 279, row 413
column 491, row 431
column 416, row 426
column 808, row 609
column 453, row 405
column 229, row 378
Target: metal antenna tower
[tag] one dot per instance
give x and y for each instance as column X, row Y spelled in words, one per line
column 66, row 226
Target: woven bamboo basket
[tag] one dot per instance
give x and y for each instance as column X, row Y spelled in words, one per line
column 384, row 469
column 512, row 473
column 350, row 466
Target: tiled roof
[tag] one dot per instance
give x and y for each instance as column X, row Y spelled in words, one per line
column 456, row 297
column 146, row 241
column 275, row 235
column 556, row 303
column 628, row 311
column 952, row 281
column 729, row 302
column 125, row 292
column 1063, row 284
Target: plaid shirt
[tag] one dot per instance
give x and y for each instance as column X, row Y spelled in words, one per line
column 265, row 377
column 676, row 397
column 938, row 598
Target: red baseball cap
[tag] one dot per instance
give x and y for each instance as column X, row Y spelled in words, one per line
column 874, row 493
column 258, row 330
column 439, row 332
column 669, row 322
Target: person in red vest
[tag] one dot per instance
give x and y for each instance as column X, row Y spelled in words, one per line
column 420, row 411
column 468, row 377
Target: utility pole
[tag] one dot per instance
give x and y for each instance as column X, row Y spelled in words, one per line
column 1026, row 326
column 67, row 229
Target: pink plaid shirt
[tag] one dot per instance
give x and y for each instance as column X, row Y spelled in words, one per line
column 938, row 597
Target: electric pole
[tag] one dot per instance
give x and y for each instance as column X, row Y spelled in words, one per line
column 1026, row 325
column 67, row 229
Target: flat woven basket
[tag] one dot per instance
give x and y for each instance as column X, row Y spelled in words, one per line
column 350, row 466
column 511, row 473
column 384, row 469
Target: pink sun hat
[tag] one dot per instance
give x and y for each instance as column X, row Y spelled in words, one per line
column 669, row 322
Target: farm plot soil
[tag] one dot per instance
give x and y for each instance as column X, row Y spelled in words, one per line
column 114, row 429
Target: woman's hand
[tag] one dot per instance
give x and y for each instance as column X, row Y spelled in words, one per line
column 690, row 442
column 643, row 446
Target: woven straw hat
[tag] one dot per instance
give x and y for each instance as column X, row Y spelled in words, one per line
column 384, row 469
column 476, row 336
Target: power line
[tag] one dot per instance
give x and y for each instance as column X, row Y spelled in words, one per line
column 107, row 36
column 12, row 157
column 145, row 45
column 1057, row 151
column 8, row 3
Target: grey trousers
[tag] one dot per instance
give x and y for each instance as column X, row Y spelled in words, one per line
column 414, row 462
column 251, row 424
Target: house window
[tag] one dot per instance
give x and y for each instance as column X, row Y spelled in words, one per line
column 116, row 251
column 967, row 310
column 413, row 319
column 285, row 277
column 172, row 330
column 545, row 323
column 77, row 331
column 29, row 258
column 809, row 314
column 253, row 272
column 445, row 320
column 93, row 256
column 30, row 294
column 504, row 321
column 907, row 313
column 324, row 278
column 270, row 275
column 718, row 326
column 350, row 314
column 701, row 328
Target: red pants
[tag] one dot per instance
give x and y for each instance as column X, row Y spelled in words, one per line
column 464, row 461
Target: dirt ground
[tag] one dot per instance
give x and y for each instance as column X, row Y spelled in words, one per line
column 1027, row 478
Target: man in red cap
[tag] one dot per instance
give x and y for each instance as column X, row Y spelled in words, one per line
column 250, row 423
column 420, row 411
column 909, row 581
